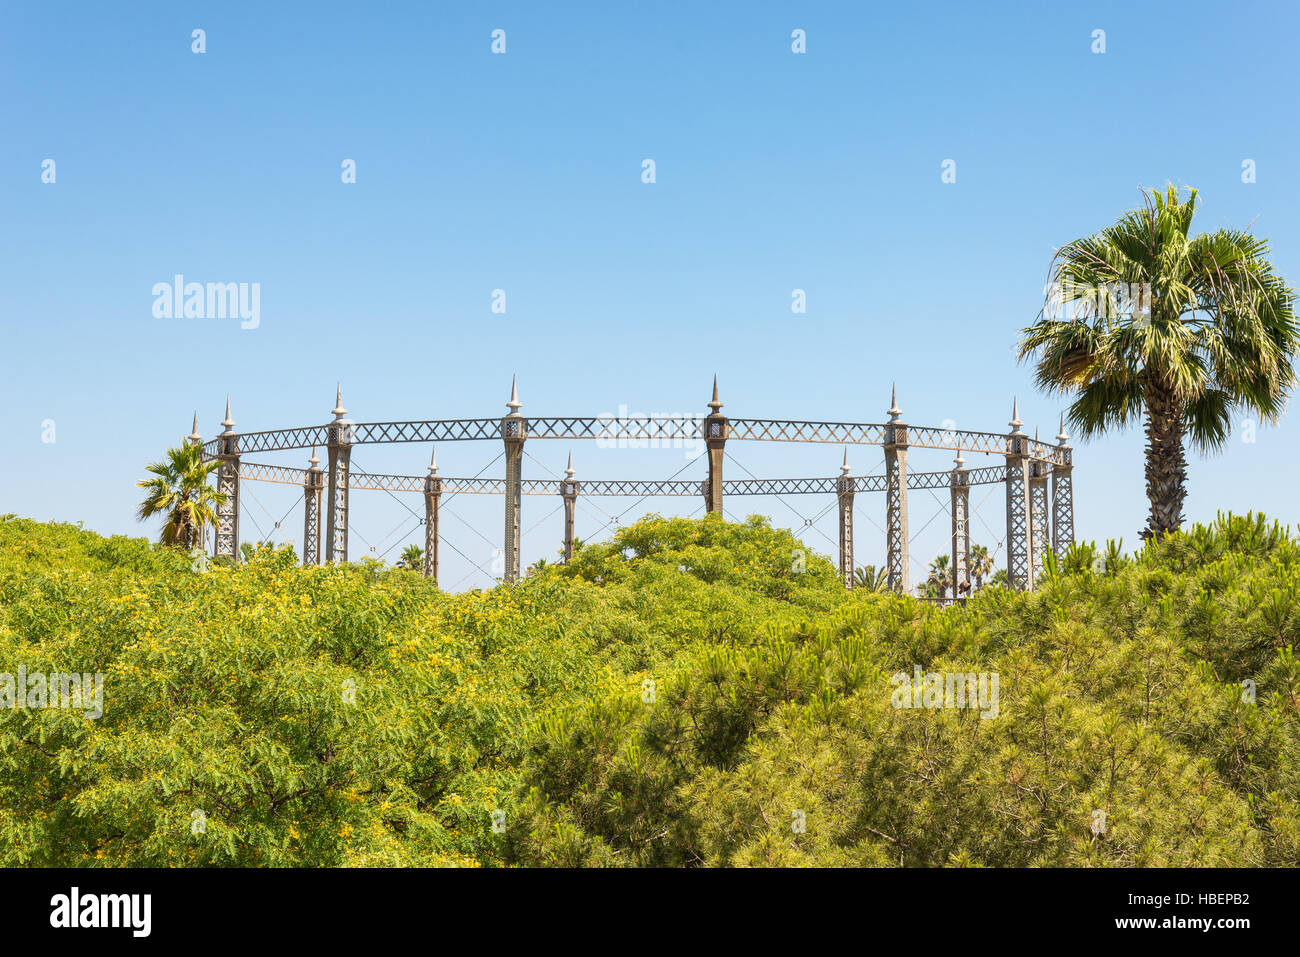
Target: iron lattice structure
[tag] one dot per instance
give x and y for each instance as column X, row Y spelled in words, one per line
column 338, row 436
column 844, row 491
column 960, row 511
column 226, row 541
column 1039, row 516
column 1037, row 477
column 313, row 489
column 897, row 538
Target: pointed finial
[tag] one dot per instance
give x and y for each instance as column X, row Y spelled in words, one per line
column 961, row 462
column 1015, row 422
column 845, row 467
column 895, row 413
column 1064, row 436
column 716, row 403
column 433, row 461
column 195, row 437
column 568, row 469
column 314, row 460
column 228, row 422
column 339, row 411
column 514, row 404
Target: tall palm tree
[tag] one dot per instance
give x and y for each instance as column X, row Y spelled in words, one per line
column 180, row 491
column 981, row 563
column 412, row 558
column 940, row 575
column 1202, row 327
column 870, row 578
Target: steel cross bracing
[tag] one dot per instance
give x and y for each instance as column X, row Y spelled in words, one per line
column 369, row 481
column 1039, row 524
column 1062, row 510
column 634, row 432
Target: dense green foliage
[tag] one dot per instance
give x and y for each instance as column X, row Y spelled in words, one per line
column 681, row 695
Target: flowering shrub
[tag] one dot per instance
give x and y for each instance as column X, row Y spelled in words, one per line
column 689, row 692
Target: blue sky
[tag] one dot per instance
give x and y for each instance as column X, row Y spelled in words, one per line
column 522, row 172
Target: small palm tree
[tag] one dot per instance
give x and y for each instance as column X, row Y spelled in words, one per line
column 180, row 491
column 412, row 558
column 981, row 564
column 870, row 578
column 940, row 576
column 1206, row 328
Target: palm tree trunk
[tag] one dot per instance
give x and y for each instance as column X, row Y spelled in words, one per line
column 1166, row 468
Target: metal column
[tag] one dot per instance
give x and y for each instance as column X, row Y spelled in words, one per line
column 313, row 490
column 1039, row 509
column 227, row 537
column 1063, row 494
column 340, row 458
column 569, row 492
column 844, row 488
column 716, row 430
column 432, row 499
column 514, row 430
column 896, row 534
column 1020, row 570
column 960, row 488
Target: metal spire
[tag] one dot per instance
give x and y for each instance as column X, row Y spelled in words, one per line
column 568, row 469
column 895, row 413
column 433, row 461
column 845, row 467
column 514, row 404
column 228, row 422
column 716, row 404
column 339, row 411
column 1015, row 422
column 315, row 462
column 961, row 462
column 1063, row 437
column 195, row 437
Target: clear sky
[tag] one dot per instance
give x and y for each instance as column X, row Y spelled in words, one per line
column 522, row 172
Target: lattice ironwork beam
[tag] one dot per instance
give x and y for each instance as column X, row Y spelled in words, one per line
column 636, row 431
column 628, row 488
column 839, row 433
